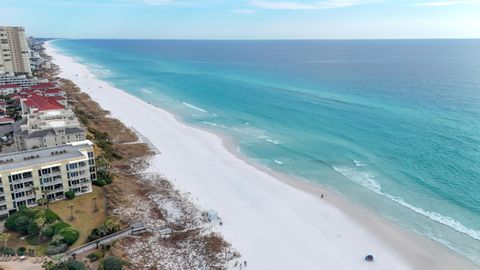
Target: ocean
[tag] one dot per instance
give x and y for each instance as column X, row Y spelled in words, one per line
column 393, row 125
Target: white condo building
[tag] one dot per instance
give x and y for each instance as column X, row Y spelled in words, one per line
column 14, row 52
column 28, row 176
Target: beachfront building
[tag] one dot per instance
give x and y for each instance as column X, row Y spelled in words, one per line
column 9, row 89
column 21, row 80
column 14, row 51
column 48, row 128
column 28, row 176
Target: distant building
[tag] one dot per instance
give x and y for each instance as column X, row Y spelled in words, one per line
column 28, row 176
column 14, row 52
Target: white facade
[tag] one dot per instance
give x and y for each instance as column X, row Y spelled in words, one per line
column 20, row 80
column 28, row 176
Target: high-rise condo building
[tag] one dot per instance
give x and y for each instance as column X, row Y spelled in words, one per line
column 14, row 56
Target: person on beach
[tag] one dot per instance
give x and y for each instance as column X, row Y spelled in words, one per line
column 321, row 196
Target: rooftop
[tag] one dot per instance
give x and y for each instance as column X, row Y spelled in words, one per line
column 7, row 86
column 30, row 158
column 42, row 103
column 43, row 86
column 45, row 132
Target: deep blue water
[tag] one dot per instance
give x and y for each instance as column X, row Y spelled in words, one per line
column 393, row 125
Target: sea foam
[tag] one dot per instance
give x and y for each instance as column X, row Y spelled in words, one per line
column 194, row 107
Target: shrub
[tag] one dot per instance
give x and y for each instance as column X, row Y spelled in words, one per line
column 7, row 251
column 112, row 263
column 55, row 229
column 70, row 195
column 21, row 250
column 52, row 249
column 95, row 256
column 110, row 226
column 48, row 231
column 21, row 224
column 32, row 228
column 50, row 216
column 105, row 176
column 117, row 156
column 24, row 220
column 70, row 235
column 75, row 265
column 99, row 182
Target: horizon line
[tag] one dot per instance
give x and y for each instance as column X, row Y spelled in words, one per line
column 262, row 39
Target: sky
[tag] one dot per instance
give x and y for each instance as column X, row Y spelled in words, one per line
column 244, row 19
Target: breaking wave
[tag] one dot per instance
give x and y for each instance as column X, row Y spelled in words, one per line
column 194, row 107
column 367, row 180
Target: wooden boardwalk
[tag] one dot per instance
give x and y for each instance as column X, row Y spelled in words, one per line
column 135, row 229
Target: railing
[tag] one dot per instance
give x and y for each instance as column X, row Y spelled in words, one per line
column 53, row 182
column 134, row 229
column 15, row 190
column 23, row 180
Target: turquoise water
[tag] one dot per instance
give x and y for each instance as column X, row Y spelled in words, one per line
column 393, row 125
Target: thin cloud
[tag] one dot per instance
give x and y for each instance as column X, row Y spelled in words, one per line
column 296, row 5
column 244, row 11
column 447, row 3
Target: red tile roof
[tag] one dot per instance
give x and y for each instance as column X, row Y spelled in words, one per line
column 42, row 103
column 5, row 86
column 43, row 86
column 53, row 90
column 6, row 120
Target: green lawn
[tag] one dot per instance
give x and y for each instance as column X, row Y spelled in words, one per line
column 85, row 217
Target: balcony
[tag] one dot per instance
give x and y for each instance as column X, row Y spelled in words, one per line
column 58, row 181
column 23, row 180
column 52, row 174
column 3, row 212
column 31, row 204
column 15, row 190
column 54, row 190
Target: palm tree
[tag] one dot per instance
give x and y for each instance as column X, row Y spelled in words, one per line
column 44, row 194
column 4, row 238
column 42, row 201
column 71, row 206
column 40, row 223
column 94, row 199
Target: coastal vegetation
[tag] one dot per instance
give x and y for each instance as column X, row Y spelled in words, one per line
column 111, row 225
column 111, row 263
column 42, row 226
column 70, row 265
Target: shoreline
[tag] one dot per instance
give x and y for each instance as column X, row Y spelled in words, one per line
column 393, row 247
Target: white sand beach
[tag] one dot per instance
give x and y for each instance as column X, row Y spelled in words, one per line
column 273, row 224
